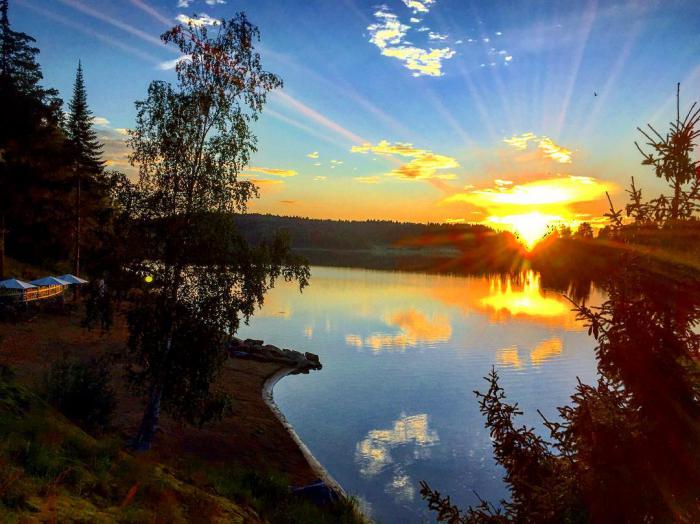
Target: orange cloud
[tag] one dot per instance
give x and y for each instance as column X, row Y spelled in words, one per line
column 368, row 179
column 272, row 171
column 424, row 164
column 559, row 190
column 529, row 209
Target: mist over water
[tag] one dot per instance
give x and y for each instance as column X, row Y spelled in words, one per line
column 402, row 354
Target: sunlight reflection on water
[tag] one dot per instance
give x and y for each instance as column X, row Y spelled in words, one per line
column 402, row 354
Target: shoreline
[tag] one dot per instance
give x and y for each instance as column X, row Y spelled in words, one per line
column 316, row 466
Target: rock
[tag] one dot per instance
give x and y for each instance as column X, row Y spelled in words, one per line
column 252, row 342
column 312, row 358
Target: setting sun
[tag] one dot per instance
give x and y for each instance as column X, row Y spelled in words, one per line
column 529, row 227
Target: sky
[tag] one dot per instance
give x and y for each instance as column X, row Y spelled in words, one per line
column 517, row 114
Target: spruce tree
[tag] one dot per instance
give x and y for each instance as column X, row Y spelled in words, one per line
column 86, row 153
column 87, row 148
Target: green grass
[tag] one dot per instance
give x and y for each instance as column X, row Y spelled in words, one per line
column 52, row 470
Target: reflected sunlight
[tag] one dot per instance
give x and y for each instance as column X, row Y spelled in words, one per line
column 529, row 301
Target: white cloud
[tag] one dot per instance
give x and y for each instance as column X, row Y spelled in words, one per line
column 198, row 20
column 215, row 2
column 388, row 35
column 100, row 121
column 184, row 3
column 170, row 64
column 419, row 6
column 436, row 36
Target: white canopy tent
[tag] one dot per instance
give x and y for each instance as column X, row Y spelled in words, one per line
column 49, row 281
column 72, row 279
column 13, row 283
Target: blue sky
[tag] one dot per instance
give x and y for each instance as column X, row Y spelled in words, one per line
column 452, row 79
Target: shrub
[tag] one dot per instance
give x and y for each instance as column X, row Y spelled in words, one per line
column 81, row 391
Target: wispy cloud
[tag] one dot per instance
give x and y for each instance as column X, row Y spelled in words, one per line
column 424, row 165
column 198, row 20
column 545, row 144
column 419, row 6
column 272, row 171
column 171, row 64
column 100, row 121
column 320, row 178
column 555, row 152
column 374, row 179
column 184, row 3
column 266, row 182
column 437, row 36
column 388, row 33
column 316, row 117
column 313, row 154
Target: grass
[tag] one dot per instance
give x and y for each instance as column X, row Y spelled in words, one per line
column 51, row 470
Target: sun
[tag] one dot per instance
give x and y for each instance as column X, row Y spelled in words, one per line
column 529, row 227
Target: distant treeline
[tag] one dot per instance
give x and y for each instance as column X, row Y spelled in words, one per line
column 383, row 244
column 311, row 233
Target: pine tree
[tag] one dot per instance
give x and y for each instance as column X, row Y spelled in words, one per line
column 87, row 148
column 86, row 151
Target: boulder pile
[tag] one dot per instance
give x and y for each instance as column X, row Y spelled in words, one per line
column 258, row 350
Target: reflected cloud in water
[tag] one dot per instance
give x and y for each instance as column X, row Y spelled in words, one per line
column 410, row 437
column 414, row 326
column 509, row 357
column 548, row 349
column 373, row 453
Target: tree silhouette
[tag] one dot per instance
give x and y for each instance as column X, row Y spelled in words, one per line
column 190, row 143
column 86, row 152
column 628, row 448
column 31, row 142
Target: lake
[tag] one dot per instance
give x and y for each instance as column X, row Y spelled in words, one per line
column 402, row 354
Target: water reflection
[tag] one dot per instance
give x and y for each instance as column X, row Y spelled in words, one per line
column 502, row 298
column 414, row 326
column 411, row 438
column 402, row 355
column 545, row 350
column 508, row 299
column 509, row 357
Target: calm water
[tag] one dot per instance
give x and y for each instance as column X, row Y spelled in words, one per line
column 402, row 354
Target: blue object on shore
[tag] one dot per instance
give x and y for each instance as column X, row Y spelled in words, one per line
column 317, row 493
column 239, row 354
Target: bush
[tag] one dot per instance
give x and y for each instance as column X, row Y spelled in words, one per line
column 81, row 391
